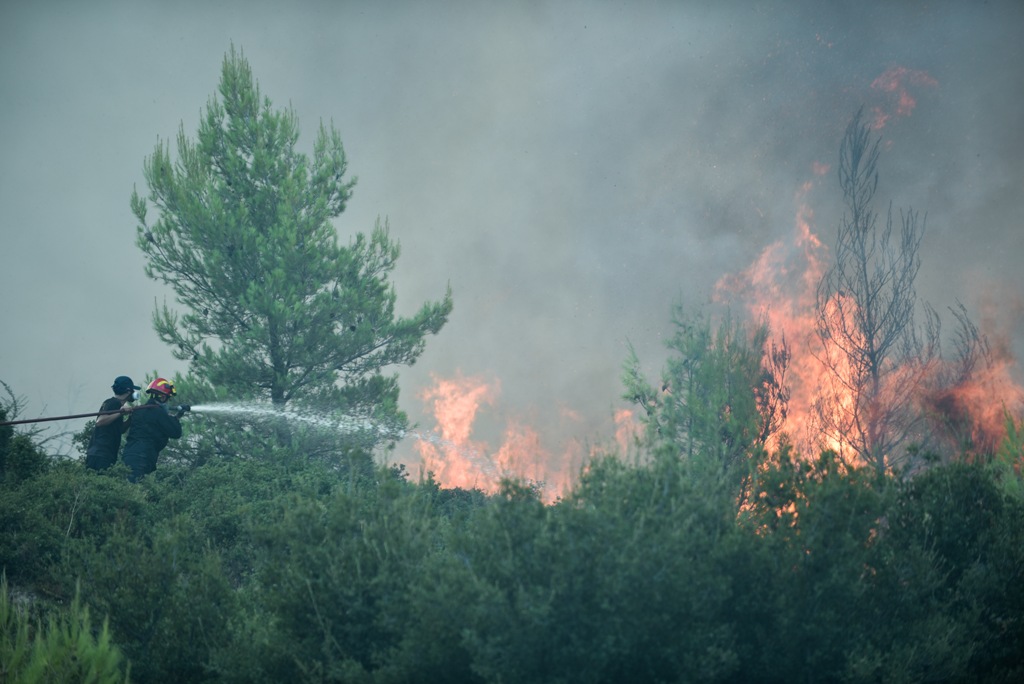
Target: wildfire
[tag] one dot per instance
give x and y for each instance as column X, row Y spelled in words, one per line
column 457, row 460
column 626, row 430
column 447, row 450
column 965, row 399
column 781, row 288
column 521, row 454
column 972, row 401
column 895, row 81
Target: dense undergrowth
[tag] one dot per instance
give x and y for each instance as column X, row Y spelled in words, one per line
column 666, row 571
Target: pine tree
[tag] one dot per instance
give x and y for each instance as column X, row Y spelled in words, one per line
column 722, row 392
column 275, row 308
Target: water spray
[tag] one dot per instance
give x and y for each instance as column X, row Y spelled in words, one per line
column 347, row 424
column 344, row 424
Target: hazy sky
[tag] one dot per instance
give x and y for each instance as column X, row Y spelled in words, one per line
column 572, row 169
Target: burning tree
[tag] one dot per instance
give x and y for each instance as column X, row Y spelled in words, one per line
column 877, row 357
column 277, row 309
column 973, row 399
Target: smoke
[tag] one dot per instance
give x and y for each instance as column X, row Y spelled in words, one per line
column 572, row 169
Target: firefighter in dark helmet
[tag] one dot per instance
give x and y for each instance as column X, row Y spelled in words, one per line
column 106, row 436
column 151, row 429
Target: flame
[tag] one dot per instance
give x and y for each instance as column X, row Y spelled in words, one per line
column 521, row 454
column 448, row 451
column 457, row 460
column 895, row 81
column 780, row 287
column 973, row 409
column 627, row 429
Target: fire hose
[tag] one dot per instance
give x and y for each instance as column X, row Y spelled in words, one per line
column 179, row 409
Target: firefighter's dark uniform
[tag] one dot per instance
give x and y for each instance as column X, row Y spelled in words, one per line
column 150, row 431
column 106, row 439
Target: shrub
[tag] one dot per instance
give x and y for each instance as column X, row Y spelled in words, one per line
column 64, row 649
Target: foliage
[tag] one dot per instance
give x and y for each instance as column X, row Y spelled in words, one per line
column 276, row 308
column 244, row 570
column 971, row 529
column 1009, row 457
column 21, row 455
column 722, row 392
column 47, row 516
column 21, row 458
column 65, row 648
column 645, row 552
column 807, row 606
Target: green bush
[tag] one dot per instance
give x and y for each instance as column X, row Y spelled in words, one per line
column 63, row 649
column 247, row 570
column 334, row 574
column 52, row 518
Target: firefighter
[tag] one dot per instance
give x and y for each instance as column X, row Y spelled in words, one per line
column 151, row 429
column 106, row 436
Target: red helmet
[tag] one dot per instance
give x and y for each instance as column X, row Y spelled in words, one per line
column 161, row 386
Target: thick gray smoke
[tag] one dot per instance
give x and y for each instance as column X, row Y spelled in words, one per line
column 572, row 169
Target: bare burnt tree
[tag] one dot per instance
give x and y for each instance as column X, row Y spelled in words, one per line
column 876, row 356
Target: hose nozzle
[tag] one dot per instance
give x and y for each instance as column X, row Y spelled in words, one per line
column 182, row 410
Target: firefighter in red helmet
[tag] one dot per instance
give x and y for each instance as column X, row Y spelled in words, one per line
column 151, row 429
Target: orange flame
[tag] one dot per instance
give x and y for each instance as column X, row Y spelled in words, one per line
column 626, row 430
column 974, row 408
column 781, row 287
column 451, row 455
column 457, row 460
column 895, row 81
column 521, row 454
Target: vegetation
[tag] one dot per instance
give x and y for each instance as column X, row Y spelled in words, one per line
column 275, row 308
column 709, row 559
column 64, row 649
column 254, row 571
column 722, row 393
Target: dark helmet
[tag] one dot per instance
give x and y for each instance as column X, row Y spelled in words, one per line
column 122, row 384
